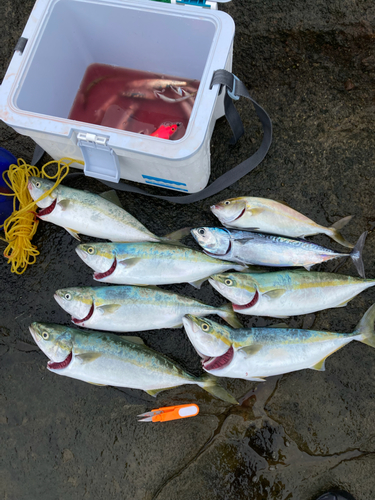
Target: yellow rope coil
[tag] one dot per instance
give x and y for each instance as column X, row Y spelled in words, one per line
column 21, row 226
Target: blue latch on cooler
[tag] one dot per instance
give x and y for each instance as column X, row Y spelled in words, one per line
column 101, row 162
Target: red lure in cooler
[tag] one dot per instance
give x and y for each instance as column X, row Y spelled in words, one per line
column 165, row 131
column 130, row 100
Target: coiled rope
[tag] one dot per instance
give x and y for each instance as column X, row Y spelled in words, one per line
column 21, row 226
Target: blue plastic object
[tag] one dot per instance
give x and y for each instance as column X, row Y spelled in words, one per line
column 6, row 202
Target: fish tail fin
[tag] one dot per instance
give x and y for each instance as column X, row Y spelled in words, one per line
column 335, row 234
column 356, row 254
column 226, row 312
column 209, row 383
column 366, row 327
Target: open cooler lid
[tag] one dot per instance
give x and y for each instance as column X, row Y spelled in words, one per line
column 51, row 27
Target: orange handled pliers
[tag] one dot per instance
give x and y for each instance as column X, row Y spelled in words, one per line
column 170, row 413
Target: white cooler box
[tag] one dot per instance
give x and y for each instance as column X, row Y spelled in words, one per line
column 64, row 37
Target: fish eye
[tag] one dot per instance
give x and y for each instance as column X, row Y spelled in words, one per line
column 45, row 335
column 227, row 202
column 228, row 282
column 201, row 231
column 37, row 184
column 205, row 327
column 67, row 296
column 90, row 250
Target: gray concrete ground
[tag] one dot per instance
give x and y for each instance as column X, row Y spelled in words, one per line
column 311, row 64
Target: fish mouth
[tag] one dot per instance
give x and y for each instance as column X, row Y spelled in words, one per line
column 252, row 303
column 111, row 270
column 220, row 254
column 218, row 362
column 77, row 321
column 47, row 210
column 52, row 365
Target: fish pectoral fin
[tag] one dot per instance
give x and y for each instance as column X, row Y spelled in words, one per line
column 129, row 262
column 135, row 340
column 244, row 241
column 63, row 204
column 108, row 309
column 308, row 267
column 87, row 357
column 251, row 349
column 99, row 385
column 73, row 233
column 111, row 196
column 255, row 211
column 197, row 283
column 275, row 294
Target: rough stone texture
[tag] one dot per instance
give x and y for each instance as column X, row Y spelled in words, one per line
column 311, row 64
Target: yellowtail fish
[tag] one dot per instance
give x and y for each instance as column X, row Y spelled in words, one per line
column 133, row 308
column 147, row 263
column 287, row 293
column 87, row 213
column 268, row 216
column 256, row 353
column 106, row 359
column 246, row 247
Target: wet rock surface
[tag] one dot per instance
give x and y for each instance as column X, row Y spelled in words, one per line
column 311, row 65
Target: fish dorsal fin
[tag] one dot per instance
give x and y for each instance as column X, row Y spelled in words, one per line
column 251, row 349
column 111, row 196
column 179, row 234
column 135, row 340
column 282, row 202
column 275, row 294
column 73, row 233
column 342, row 222
column 87, row 357
column 108, row 309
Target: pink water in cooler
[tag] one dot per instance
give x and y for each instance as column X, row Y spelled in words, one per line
column 132, row 100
